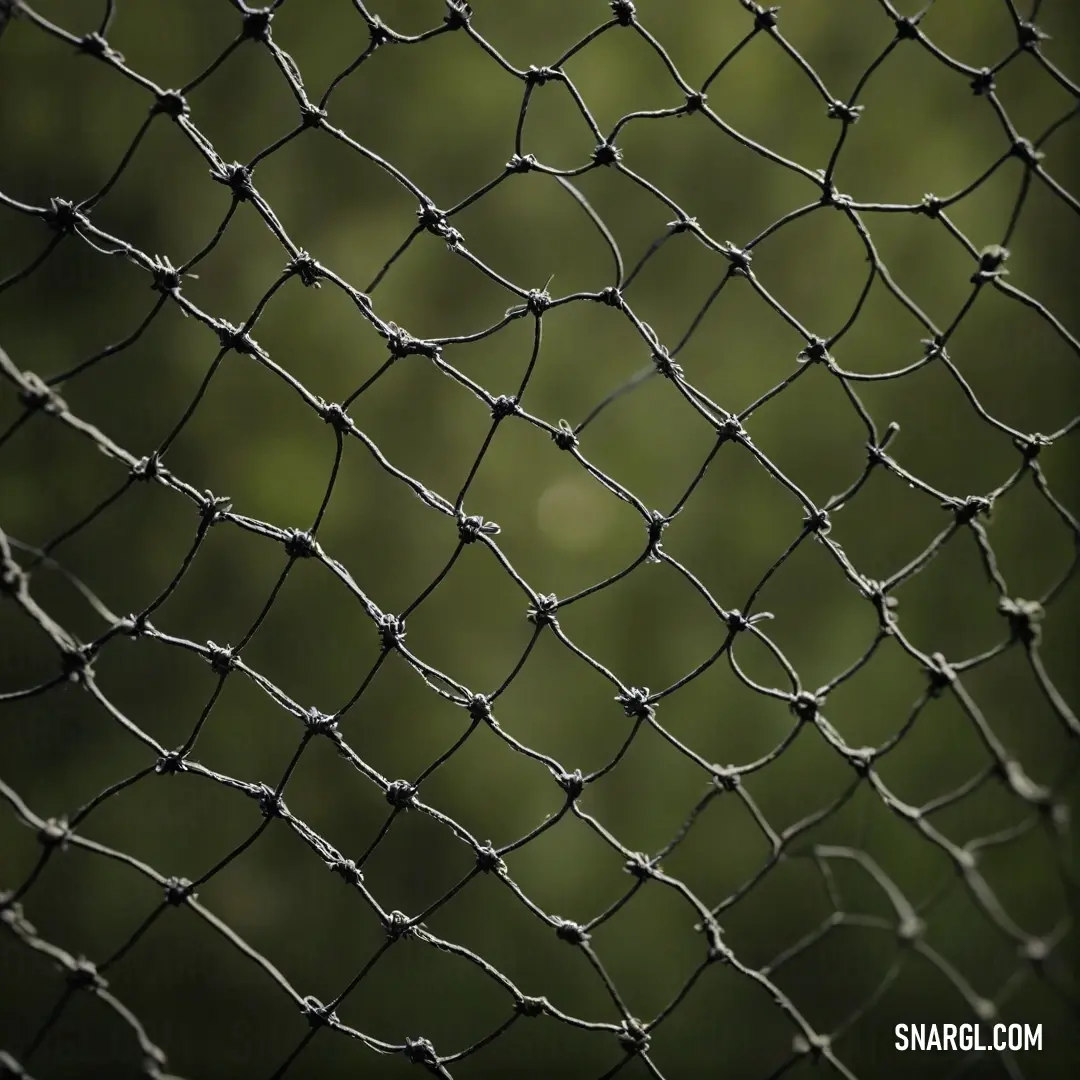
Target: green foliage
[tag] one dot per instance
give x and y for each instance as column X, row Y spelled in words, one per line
column 444, row 113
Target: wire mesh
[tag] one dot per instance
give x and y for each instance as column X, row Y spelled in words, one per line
column 627, row 1039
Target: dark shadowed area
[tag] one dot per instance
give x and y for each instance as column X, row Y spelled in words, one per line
column 537, row 538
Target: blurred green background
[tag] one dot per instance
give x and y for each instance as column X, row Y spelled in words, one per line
column 445, row 113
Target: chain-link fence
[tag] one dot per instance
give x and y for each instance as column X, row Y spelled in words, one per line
column 556, row 557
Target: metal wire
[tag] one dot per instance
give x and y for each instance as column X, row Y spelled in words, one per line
column 67, row 222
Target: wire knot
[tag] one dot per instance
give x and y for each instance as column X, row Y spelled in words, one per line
column 471, row 528
column 148, row 468
column 237, row 178
column 76, row 662
column 421, row 1052
column 570, row 932
column 257, row 25
column 435, row 222
column 635, row 702
column 862, row 759
column 841, row 110
column 572, row 783
column 401, row 794
column 813, row 1046
column 683, row 224
column 54, row 834
column 316, row 1013
column 336, row 416
column 1031, row 445
column 503, row 406
column 311, row 116
column 479, row 708
column 1024, row 617
column 307, row 269
column 300, row 544
column 907, row 29
column 633, row 1037
column 606, row 153
column 178, row 891
column 564, row 437
column 832, row 196
column 983, row 83
column 969, row 508
column 739, row 258
column 730, row 430
column 63, row 216
column 378, row 32
column 166, row 278
column 521, row 163
column 657, row 523
column 941, row 674
column 538, row 76
column 36, row 394
column 876, row 451
column 640, row 866
column 1036, row 950
column 817, row 521
column 806, row 706
column 695, row 102
column 95, row 45
column 910, row 929
column 401, row 343
column 213, row 508
column 815, row 352
column 319, row 723
column 884, row 604
column 726, row 778
column 1028, row 35
column 391, row 631
column 84, row 975
column 235, row 338
column 991, row 264
column 172, row 104
column 1025, row 150
column 931, row 206
column 348, row 871
column 488, row 861
column 664, row 363
column 458, row 14
column 764, row 18
column 538, row 301
column 13, row 578
column 271, row 804
column 531, row 1006
column 397, row 925
column 170, row 763
column 542, row 613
